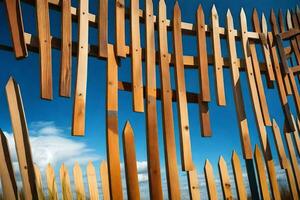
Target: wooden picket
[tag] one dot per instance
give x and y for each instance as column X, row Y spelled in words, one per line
column 78, row 181
column 51, row 183
column 92, row 181
column 225, row 181
column 120, row 28
column 103, row 28
column 65, row 183
column 296, row 136
column 39, row 185
column 238, row 176
column 194, row 188
column 104, row 180
column 210, row 181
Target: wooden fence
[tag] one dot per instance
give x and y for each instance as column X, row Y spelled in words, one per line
column 274, row 66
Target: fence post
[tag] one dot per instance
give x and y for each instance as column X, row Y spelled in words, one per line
column 104, row 180
column 194, row 187
column 226, row 185
column 238, row 176
column 92, row 181
column 51, row 182
column 65, row 183
column 79, row 187
column 210, row 181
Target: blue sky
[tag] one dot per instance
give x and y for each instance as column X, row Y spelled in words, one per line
column 56, row 115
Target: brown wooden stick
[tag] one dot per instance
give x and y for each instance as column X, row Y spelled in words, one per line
column 238, row 176
column 51, row 183
column 66, row 50
column 78, row 181
column 120, row 28
column 210, row 181
column 92, row 181
column 65, row 183
column 155, row 185
column 14, row 14
column 39, row 185
column 225, row 181
column 103, row 28
column 21, row 137
column 194, row 188
column 104, row 180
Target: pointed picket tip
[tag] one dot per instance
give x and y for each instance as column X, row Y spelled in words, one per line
column 272, row 16
column 176, row 10
column 274, row 123
column 103, row 164
column 200, row 9
column 11, row 81
column 234, row 155
column 63, row 166
column 207, row 165
column 214, row 10
column 222, row 161
column 243, row 14
column 162, row 3
column 264, row 24
column 228, row 14
column 127, row 128
column 255, row 15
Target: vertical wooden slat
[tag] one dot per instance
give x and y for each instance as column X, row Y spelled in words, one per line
column 39, row 185
column 92, row 181
column 43, row 26
column 14, row 14
column 296, row 26
column 66, row 50
column 202, row 56
column 261, row 174
column 279, row 145
column 293, row 40
column 78, row 181
column 194, row 187
column 238, row 176
column 103, row 28
column 221, row 99
column 136, row 58
column 155, row 185
column 259, row 84
column 280, row 84
column 78, row 123
column 133, row 191
column 258, row 112
column 21, row 137
column 291, row 181
column 237, row 91
column 168, row 123
column 112, row 136
column 51, row 183
column 204, row 97
column 185, row 142
column 296, row 136
column 210, row 181
column 120, row 27
column 65, row 183
column 266, row 51
column 104, row 180
column 8, row 180
column 225, row 181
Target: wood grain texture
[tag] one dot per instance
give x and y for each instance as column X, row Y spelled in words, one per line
column 238, row 176
column 39, row 185
column 8, row 180
column 132, row 182
column 262, row 30
column 51, row 183
column 237, row 91
column 136, row 58
column 202, row 56
column 120, row 28
column 15, row 20
column 153, row 161
column 78, row 123
column 104, row 180
column 225, row 181
column 194, row 187
column 291, row 181
column 262, row 177
column 210, row 181
column 112, row 137
column 296, row 136
column 66, row 50
column 78, row 182
column 92, row 181
column 65, row 183
column 185, row 141
column 21, row 136
column 103, row 28
column 216, row 43
column 279, row 145
column 167, row 112
column 43, row 27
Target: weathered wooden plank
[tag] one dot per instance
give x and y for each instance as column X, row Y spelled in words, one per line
column 168, row 123
column 120, row 28
column 293, row 157
column 155, row 185
column 78, row 123
column 14, row 14
column 279, row 145
column 237, row 91
column 202, row 56
column 204, row 119
column 112, row 136
column 65, row 183
column 296, row 136
column 210, row 181
column 263, row 39
column 225, row 181
column 51, row 183
column 136, row 58
column 219, row 79
column 291, row 24
column 21, row 137
column 295, row 23
column 291, row 181
column 238, row 176
column 39, row 185
column 8, row 180
column 103, row 28
column 43, row 27
column 194, row 188
column 104, row 180
column 132, row 182
column 79, row 187
column 185, row 141
column 262, row 177
column 280, row 85
column 66, row 50
column 92, row 181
